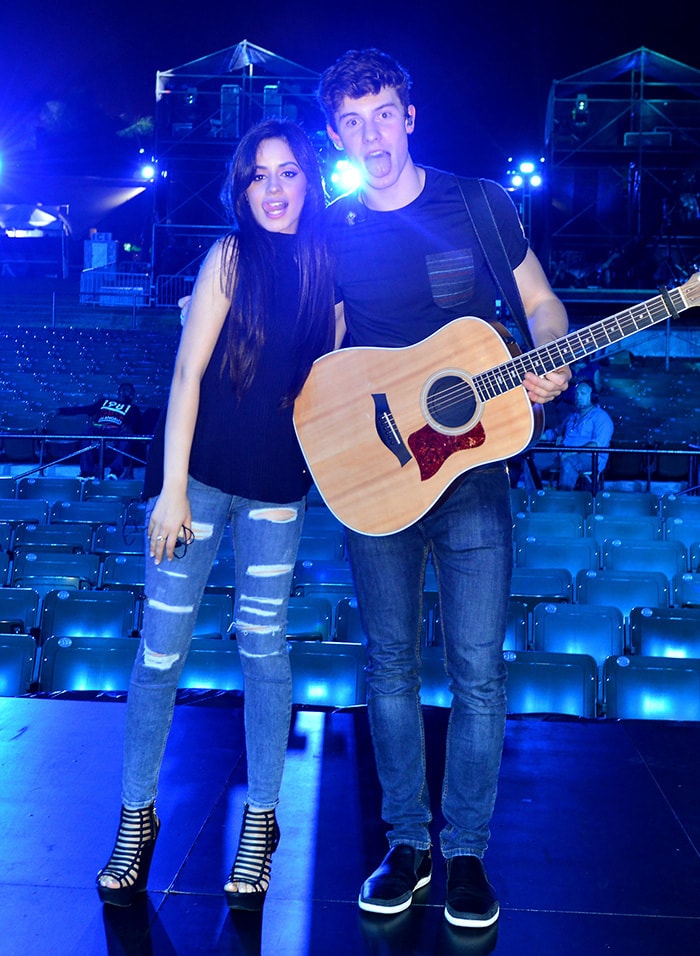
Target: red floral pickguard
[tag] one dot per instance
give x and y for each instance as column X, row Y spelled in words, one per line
column 431, row 449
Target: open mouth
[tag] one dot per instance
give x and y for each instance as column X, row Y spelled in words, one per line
column 274, row 209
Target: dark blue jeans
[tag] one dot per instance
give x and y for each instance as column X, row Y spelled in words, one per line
column 470, row 536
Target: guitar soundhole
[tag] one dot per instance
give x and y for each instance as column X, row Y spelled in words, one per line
column 449, row 402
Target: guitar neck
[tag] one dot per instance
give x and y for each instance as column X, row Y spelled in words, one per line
column 577, row 345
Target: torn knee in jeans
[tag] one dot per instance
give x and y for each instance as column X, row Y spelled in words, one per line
column 159, row 662
column 281, row 515
column 268, row 570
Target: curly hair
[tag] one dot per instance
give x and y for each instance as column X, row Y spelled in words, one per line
column 358, row 73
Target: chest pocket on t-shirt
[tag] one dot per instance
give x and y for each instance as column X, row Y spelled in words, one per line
column 451, row 276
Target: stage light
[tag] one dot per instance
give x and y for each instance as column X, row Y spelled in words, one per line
column 525, row 174
column 579, row 113
column 345, row 177
column 148, row 171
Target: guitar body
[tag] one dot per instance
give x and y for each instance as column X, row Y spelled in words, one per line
column 370, row 425
column 385, row 432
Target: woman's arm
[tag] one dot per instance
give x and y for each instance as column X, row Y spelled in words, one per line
column 205, row 319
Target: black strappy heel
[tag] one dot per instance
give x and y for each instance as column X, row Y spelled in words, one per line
column 260, row 836
column 131, row 857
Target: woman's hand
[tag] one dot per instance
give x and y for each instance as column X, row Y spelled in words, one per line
column 171, row 520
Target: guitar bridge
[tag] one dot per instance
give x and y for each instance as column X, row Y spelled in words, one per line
column 387, row 431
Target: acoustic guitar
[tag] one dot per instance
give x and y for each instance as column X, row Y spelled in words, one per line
column 385, row 431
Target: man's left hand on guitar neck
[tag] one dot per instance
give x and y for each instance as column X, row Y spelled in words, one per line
column 542, row 389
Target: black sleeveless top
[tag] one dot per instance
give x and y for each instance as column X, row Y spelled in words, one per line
column 249, row 447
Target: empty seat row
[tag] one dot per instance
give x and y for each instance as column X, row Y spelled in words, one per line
column 53, row 488
column 332, row 674
column 610, row 503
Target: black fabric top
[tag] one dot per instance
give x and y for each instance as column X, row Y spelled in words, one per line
column 405, row 273
column 249, row 448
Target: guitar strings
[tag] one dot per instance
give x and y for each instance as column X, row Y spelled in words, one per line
column 509, row 375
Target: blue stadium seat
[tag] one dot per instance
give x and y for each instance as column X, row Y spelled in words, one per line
column 212, row 664
column 215, row 615
column 95, row 512
column 17, row 656
column 87, row 663
column 4, row 568
column 31, row 567
column 539, row 524
column 309, row 618
column 124, row 571
column 7, row 486
column 572, row 554
column 68, row 613
column 623, row 589
column 680, row 506
column 348, row 628
column 517, row 626
column 125, row 490
column 686, row 589
column 595, row 630
column 322, row 545
column 519, row 500
column 14, row 511
column 555, row 499
column 331, row 577
column 327, row 673
column 626, row 503
column 50, row 488
column 222, row 577
column 533, row 585
column 75, row 538
column 606, row 527
column 665, row 632
column 683, row 529
column 320, row 518
column 541, row 682
column 117, row 539
column 668, row 557
column 19, row 610
column 652, row 688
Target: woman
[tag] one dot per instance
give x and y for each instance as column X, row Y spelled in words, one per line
column 261, row 312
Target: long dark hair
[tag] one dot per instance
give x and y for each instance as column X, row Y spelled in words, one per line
column 248, row 261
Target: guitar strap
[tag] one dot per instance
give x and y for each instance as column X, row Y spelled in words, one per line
column 481, row 215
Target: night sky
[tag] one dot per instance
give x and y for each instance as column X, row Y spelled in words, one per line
column 481, row 75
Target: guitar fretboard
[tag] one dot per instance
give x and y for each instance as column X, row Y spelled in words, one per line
column 576, row 345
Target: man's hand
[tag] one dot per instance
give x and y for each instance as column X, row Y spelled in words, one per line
column 545, row 388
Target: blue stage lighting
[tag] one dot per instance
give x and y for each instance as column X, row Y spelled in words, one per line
column 525, row 174
column 345, row 177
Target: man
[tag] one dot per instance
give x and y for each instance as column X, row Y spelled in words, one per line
column 587, row 425
column 113, row 417
column 408, row 262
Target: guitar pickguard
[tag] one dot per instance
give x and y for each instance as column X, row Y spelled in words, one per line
column 431, row 449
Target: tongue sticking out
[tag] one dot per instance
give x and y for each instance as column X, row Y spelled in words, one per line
column 378, row 164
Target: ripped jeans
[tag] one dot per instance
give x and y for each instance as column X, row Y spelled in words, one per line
column 266, row 540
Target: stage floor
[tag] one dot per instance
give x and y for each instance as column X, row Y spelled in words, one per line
column 595, row 846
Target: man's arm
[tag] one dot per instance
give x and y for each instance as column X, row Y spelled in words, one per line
column 547, row 320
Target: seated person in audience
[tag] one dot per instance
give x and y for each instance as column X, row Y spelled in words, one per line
column 111, row 417
column 588, row 424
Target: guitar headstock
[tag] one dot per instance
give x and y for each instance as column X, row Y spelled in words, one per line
column 690, row 290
